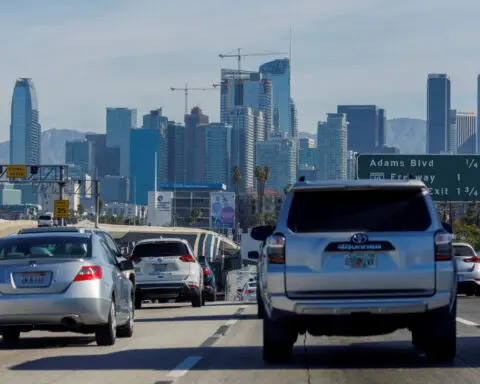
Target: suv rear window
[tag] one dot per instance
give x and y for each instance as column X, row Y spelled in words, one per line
column 164, row 248
column 462, row 250
column 45, row 217
column 350, row 210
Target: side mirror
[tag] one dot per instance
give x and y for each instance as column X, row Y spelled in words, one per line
column 127, row 265
column 447, row 227
column 261, row 232
column 253, row 255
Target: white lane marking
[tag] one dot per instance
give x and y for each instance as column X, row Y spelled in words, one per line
column 231, row 322
column 183, row 368
column 467, row 322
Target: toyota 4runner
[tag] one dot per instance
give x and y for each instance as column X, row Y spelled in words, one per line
column 357, row 258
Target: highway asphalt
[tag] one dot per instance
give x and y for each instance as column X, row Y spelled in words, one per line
column 221, row 343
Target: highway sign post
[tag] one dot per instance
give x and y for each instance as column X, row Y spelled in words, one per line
column 61, row 209
column 449, row 177
column 17, row 171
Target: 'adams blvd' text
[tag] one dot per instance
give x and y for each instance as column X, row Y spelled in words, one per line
column 412, row 163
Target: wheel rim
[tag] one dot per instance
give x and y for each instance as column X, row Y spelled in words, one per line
column 114, row 318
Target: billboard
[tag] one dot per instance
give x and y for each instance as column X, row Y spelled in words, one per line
column 159, row 211
column 222, row 210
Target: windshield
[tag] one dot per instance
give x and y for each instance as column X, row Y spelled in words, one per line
column 45, row 247
column 164, row 248
column 463, row 250
column 348, row 210
column 45, row 217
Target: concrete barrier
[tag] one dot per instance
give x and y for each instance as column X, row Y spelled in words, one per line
column 13, row 226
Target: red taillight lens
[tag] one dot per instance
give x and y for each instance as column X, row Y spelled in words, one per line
column 474, row 259
column 90, row 272
column 443, row 246
column 248, row 291
column 135, row 259
column 187, row 258
column 276, row 249
column 206, row 271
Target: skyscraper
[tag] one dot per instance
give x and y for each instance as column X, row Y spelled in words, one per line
column 25, row 129
column 243, row 145
column 332, row 148
column 120, row 121
column 466, row 129
column 176, row 153
column 438, row 113
column 382, row 128
column 363, row 126
column 294, row 119
column 195, row 149
column 279, row 73
column 280, row 154
column 218, row 168
column 80, row 152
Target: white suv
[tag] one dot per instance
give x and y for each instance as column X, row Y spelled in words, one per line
column 167, row 269
column 45, row 220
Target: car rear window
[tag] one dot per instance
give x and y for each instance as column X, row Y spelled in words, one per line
column 45, row 247
column 45, row 217
column 170, row 248
column 462, row 250
column 348, row 210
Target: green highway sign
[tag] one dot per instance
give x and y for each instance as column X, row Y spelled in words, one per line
column 449, row 177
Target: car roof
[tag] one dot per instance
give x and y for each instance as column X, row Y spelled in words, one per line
column 462, row 244
column 52, row 234
column 161, row 240
column 360, row 183
column 69, row 229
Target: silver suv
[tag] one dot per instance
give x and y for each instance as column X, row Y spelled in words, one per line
column 357, row 258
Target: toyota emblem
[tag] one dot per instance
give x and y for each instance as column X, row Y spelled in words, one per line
column 359, row 238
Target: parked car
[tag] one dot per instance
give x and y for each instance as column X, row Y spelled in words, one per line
column 209, row 281
column 249, row 292
column 167, row 269
column 468, row 269
column 64, row 282
column 358, row 258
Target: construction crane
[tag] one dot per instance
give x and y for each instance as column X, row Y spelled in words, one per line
column 186, row 90
column 239, row 56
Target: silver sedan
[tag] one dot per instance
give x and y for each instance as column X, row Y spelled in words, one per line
column 64, row 282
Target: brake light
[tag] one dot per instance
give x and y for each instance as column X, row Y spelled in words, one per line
column 474, row 259
column 275, row 247
column 187, row 258
column 89, row 272
column 248, row 292
column 206, row 271
column 443, row 246
column 136, row 259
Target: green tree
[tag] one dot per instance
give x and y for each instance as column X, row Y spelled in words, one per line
column 194, row 216
column 468, row 233
column 471, row 213
column 80, row 209
column 262, row 175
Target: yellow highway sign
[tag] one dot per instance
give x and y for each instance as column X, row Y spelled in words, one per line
column 60, row 209
column 17, row 171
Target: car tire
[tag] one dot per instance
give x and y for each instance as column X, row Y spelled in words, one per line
column 138, row 302
column 127, row 329
column 441, row 343
column 197, row 299
column 106, row 334
column 278, row 340
column 11, row 336
column 261, row 309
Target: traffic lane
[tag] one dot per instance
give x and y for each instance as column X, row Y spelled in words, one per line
column 469, row 308
column 237, row 357
column 164, row 336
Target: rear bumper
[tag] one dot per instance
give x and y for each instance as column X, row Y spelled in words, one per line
column 166, row 291
column 209, row 291
column 38, row 310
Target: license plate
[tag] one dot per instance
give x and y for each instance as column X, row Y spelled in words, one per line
column 160, row 267
column 360, row 260
column 31, row 280
column 460, row 278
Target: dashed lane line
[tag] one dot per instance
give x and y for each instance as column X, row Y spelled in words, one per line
column 467, row 322
column 183, row 368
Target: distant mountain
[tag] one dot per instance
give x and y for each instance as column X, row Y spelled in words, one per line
column 52, row 145
column 409, row 135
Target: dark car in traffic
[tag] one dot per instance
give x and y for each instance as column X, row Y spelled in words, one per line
column 209, row 281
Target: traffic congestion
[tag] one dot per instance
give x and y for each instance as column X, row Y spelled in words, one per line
column 78, row 304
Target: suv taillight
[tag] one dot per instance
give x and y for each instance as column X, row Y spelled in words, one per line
column 276, row 249
column 206, row 271
column 89, row 272
column 443, row 246
column 187, row 258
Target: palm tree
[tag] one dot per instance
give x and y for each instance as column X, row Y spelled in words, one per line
column 237, row 182
column 194, row 216
column 262, row 175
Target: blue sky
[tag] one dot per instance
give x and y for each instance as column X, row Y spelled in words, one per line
column 86, row 55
